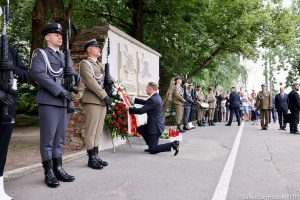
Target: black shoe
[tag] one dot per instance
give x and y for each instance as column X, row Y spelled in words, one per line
column 199, row 123
column 180, row 128
column 239, row 124
column 283, row 129
column 59, row 171
column 186, row 127
column 50, row 178
column 147, row 150
column 93, row 162
column 212, row 123
column 175, row 146
column 296, row 132
column 104, row 163
column 227, row 124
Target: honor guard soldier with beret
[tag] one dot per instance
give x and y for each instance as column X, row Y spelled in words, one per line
column 94, row 101
column 179, row 103
column 264, row 103
column 200, row 98
column 47, row 69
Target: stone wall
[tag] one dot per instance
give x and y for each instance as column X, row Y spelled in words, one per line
column 75, row 131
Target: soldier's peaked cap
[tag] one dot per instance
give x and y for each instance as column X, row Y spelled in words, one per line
column 52, row 28
column 92, row 42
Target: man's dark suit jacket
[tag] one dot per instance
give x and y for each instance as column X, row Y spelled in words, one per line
column 153, row 106
column 281, row 104
column 234, row 100
column 294, row 101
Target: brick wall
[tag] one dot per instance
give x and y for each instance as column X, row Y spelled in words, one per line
column 75, row 131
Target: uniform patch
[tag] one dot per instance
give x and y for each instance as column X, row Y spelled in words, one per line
column 35, row 54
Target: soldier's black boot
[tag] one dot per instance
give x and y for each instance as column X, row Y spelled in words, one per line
column 186, row 127
column 93, row 162
column 50, row 178
column 199, row 123
column 212, row 123
column 104, row 163
column 209, row 123
column 59, row 171
column 180, row 128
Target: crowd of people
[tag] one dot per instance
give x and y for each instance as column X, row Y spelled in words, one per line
column 261, row 107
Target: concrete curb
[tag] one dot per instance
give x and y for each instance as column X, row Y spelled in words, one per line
column 18, row 173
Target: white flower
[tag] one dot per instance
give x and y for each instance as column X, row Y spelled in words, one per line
column 115, row 93
column 113, row 103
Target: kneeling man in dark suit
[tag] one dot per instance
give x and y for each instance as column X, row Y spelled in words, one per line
column 151, row 131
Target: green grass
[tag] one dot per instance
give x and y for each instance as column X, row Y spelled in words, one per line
column 29, row 146
column 26, row 121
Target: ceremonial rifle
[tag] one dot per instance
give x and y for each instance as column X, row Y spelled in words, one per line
column 6, row 71
column 69, row 80
column 108, row 82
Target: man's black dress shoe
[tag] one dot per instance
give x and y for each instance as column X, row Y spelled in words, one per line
column 147, row 150
column 175, row 146
column 227, row 124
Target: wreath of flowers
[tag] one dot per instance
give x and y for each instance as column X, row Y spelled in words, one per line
column 117, row 123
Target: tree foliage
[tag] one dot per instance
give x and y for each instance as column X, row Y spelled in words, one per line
column 203, row 39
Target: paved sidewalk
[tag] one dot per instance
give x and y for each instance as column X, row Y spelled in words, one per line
column 266, row 165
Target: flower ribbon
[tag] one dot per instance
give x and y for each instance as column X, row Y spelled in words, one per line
column 132, row 123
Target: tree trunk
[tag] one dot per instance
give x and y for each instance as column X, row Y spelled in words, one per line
column 137, row 7
column 39, row 19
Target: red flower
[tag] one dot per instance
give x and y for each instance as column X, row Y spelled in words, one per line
column 116, row 108
column 121, row 105
column 125, row 116
column 114, row 116
column 123, row 131
column 117, row 125
column 111, row 122
column 119, row 112
column 124, row 123
column 125, row 128
column 120, row 120
column 124, row 108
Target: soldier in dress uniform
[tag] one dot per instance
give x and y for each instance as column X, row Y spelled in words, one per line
column 9, row 100
column 264, row 103
column 200, row 99
column 94, row 101
column 47, row 69
column 211, row 100
column 192, row 112
column 187, row 106
column 179, row 103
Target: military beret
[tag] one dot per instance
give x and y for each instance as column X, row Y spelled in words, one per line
column 90, row 43
column 263, row 85
column 52, row 28
column 177, row 78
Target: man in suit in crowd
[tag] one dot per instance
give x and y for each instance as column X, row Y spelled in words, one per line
column 94, row 100
column 264, row 104
column 47, row 69
column 234, row 104
column 8, row 100
column 179, row 103
column 294, row 107
column 281, row 105
column 155, row 126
